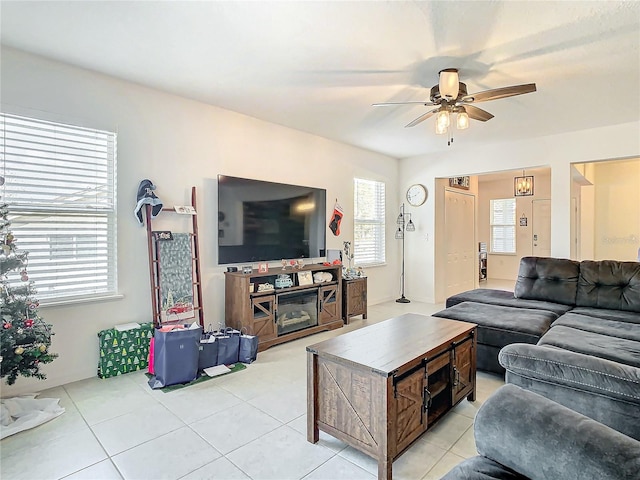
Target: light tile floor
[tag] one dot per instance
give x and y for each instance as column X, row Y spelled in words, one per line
column 248, row 425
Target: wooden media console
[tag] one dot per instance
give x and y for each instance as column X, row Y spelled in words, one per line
column 278, row 315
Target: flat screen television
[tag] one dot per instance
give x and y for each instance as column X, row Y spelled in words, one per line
column 264, row 221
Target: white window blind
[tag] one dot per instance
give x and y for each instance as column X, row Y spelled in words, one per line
column 368, row 222
column 503, row 225
column 61, row 193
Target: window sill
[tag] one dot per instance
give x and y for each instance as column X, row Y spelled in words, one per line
column 503, row 254
column 369, row 265
column 68, row 302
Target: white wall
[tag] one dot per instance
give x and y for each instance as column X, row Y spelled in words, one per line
column 557, row 152
column 177, row 143
column 617, row 210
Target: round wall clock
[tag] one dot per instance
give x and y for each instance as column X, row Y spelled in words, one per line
column 416, row 194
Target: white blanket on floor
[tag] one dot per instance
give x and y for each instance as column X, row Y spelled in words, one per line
column 24, row 412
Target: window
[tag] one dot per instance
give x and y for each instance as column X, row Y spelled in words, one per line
column 61, row 193
column 368, row 222
column 503, row 225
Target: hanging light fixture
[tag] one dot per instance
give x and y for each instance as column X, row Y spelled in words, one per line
column 523, row 186
column 443, row 121
column 462, row 119
column 449, row 83
column 443, row 118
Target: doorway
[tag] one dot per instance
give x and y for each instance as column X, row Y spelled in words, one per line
column 460, row 241
column 541, row 231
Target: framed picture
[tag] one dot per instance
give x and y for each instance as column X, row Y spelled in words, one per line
column 263, row 267
column 459, row 182
column 305, row 278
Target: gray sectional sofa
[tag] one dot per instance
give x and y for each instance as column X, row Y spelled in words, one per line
column 570, row 331
column 521, row 435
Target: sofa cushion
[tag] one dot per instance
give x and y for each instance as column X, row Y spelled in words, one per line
column 618, row 315
column 612, row 328
column 505, row 298
column 499, row 325
column 619, row 350
column 609, row 284
column 548, row 279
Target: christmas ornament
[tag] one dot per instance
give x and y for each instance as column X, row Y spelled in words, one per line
column 6, row 249
column 20, row 331
column 28, row 323
column 23, row 276
column 19, row 351
column 42, row 348
column 9, row 238
column 7, row 325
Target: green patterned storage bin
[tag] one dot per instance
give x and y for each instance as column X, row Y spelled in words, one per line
column 124, row 352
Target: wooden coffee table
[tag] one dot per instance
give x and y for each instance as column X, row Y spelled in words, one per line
column 380, row 387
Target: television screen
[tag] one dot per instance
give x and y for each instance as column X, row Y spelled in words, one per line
column 263, row 221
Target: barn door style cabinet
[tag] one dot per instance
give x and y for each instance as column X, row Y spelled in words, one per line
column 426, row 392
column 354, row 298
column 277, row 315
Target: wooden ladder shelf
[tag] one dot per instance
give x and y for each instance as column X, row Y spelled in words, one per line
column 154, row 264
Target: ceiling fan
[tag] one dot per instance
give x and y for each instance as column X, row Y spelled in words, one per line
column 451, row 97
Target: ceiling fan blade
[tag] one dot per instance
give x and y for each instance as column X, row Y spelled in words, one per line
column 389, row 104
column 477, row 113
column 421, row 118
column 497, row 93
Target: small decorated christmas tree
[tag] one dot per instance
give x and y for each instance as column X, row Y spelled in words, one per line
column 25, row 337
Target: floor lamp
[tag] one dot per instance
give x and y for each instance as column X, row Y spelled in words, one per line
column 404, row 224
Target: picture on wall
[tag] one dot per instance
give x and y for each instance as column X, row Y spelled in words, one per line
column 175, row 278
column 460, row 182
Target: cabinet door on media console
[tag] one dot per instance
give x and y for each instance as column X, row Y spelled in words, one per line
column 409, row 419
column 329, row 304
column 463, row 372
column 263, row 317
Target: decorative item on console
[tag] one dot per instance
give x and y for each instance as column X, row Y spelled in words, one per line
column 347, row 251
column 351, row 273
column 283, row 281
column 299, row 263
column 305, row 278
column 322, row 277
column 247, row 269
column 265, row 287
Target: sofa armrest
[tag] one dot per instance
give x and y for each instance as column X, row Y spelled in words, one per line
column 574, row 370
column 541, row 439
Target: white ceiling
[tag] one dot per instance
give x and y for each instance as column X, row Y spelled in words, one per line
column 318, row 66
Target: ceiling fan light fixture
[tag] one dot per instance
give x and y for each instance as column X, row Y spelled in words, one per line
column 449, row 83
column 462, row 120
column 442, row 119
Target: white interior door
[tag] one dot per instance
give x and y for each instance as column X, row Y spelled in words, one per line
column 541, row 221
column 462, row 255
